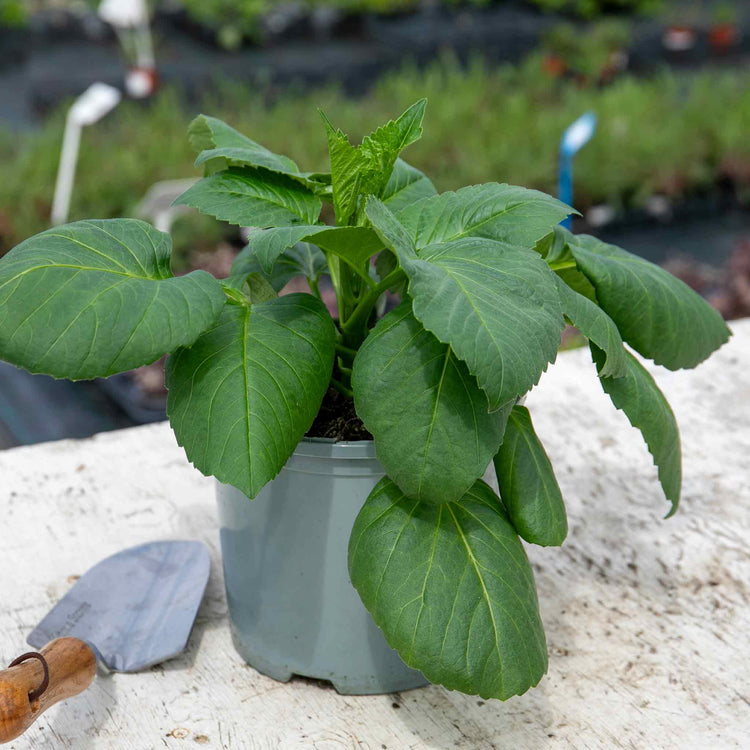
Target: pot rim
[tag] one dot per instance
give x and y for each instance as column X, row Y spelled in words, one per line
column 316, row 447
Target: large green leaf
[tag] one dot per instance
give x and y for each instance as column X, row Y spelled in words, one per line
column 253, row 198
column 646, row 408
column 303, row 259
column 94, row 298
column 498, row 212
column 527, row 483
column 242, row 397
column 214, row 139
column 497, row 305
column 596, row 325
column 406, row 185
column 656, row 313
column 358, row 171
column 221, row 146
column 429, row 418
column 451, row 588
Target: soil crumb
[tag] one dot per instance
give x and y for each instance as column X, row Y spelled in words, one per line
column 338, row 420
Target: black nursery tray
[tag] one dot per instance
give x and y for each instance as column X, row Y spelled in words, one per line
column 141, row 407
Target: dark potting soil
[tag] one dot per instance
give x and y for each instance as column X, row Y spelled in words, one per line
column 338, row 420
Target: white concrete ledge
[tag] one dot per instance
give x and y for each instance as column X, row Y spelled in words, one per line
column 647, row 620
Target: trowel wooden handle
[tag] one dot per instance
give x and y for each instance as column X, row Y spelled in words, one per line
column 23, row 696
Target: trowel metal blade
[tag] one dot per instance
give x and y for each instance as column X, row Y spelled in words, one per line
column 135, row 608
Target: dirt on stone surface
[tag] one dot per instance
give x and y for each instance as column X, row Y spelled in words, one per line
column 338, row 420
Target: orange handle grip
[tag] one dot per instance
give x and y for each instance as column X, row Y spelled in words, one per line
column 28, row 689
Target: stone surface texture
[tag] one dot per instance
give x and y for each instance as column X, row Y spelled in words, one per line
column 647, row 619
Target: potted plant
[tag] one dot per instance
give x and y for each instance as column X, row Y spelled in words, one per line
column 560, row 44
column 597, row 56
column 488, row 280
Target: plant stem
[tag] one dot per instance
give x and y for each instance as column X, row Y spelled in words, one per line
column 344, row 369
column 349, row 289
column 314, row 288
column 345, row 350
column 356, row 323
column 341, row 388
column 562, row 265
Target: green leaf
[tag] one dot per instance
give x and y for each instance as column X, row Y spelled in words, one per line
column 507, row 213
column 237, row 288
column 214, row 139
column 322, row 178
column 385, row 264
column 301, row 260
column 646, row 408
column 556, row 252
column 574, row 279
column 251, row 155
column 553, row 247
column 451, row 588
column 358, row 171
column 406, row 185
column 268, row 244
column 221, row 146
column 387, row 142
column 596, row 325
column 94, row 298
column 429, row 419
column 497, row 305
column 348, row 174
column 259, row 289
column 391, row 230
column 243, row 396
column 656, row 313
column 252, row 198
column 306, row 259
column 527, row 483
column 355, row 245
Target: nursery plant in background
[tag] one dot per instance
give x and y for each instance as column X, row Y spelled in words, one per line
column 691, row 151
column 594, row 57
column 488, row 279
column 12, row 13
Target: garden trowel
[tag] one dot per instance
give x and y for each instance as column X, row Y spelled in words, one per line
column 129, row 612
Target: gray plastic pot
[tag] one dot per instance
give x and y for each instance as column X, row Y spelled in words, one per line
column 292, row 607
